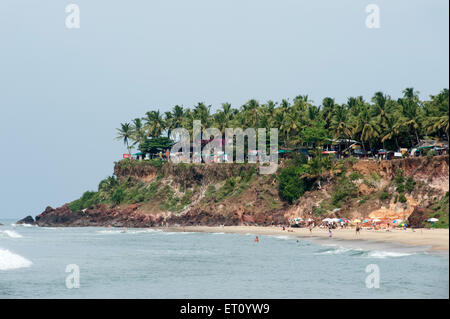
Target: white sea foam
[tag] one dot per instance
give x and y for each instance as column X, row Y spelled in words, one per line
column 9, row 260
column 11, row 233
column 336, row 251
column 128, row 231
column 177, row 233
column 385, row 254
column 28, row 225
column 284, row 237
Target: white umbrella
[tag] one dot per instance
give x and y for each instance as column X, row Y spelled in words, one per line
column 310, row 220
column 376, row 220
column 335, row 220
column 326, row 220
column 432, row 220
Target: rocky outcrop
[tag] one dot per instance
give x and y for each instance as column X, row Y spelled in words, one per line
column 432, row 170
column 258, row 203
column 418, row 217
column 27, row 220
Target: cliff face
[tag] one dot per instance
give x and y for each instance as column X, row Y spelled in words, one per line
column 234, row 194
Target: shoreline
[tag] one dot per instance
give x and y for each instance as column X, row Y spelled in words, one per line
column 437, row 239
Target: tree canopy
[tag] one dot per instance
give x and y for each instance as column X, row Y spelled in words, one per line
column 382, row 122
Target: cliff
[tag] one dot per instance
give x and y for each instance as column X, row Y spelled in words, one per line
column 145, row 194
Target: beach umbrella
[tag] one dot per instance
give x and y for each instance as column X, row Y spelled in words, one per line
column 310, row 220
column 326, row 220
column 432, row 220
column 356, row 221
column 376, row 220
column 396, row 221
column 335, row 220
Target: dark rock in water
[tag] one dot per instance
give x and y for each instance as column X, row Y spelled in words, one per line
column 1, row 224
column 26, row 220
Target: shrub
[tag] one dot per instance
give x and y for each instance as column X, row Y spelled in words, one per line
column 88, row 199
column 355, row 176
column 118, row 196
column 400, row 188
column 410, row 184
column 342, row 190
column 399, row 179
column 291, row 185
column 402, row 198
column 318, row 211
column 384, row 195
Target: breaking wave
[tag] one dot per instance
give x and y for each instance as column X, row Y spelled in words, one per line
column 9, row 260
column 11, row 233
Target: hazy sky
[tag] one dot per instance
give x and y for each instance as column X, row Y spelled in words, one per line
column 64, row 91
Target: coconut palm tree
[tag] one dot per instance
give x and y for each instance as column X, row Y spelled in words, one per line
column 366, row 126
column 154, row 123
column 138, row 131
column 411, row 115
column 125, row 133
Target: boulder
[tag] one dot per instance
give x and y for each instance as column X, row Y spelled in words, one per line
column 26, row 220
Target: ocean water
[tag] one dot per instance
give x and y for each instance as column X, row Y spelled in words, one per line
column 147, row 263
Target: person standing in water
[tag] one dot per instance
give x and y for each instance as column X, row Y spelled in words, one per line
column 256, row 239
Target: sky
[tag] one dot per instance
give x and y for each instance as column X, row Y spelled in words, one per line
column 63, row 92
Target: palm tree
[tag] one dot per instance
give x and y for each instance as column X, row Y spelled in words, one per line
column 411, row 115
column 125, row 133
column 202, row 112
column 168, row 123
column 437, row 113
column 138, row 131
column 393, row 131
column 154, row 123
column 381, row 104
column 366, row 126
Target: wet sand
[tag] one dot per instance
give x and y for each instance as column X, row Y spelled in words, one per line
column 437, row 239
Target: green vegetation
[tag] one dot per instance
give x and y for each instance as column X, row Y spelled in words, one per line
column 410, row 184
column 382, row 122
column 343, row 189
column 88, row 199
column 384, row 196
column 155, row 144
column 233, row 186
column 295, row 179
column 441, row 211
column 355, row 176
column 401, row 186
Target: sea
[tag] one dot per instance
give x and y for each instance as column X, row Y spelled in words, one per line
column 95, row 262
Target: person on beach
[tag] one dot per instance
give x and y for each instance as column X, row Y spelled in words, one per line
column 310, row 229
column 357, row 229
column 330, row 233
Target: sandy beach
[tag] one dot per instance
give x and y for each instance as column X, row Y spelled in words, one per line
column 437, row 239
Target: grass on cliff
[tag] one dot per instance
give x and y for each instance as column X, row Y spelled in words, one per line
column 440, row 212
column 233, row 186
